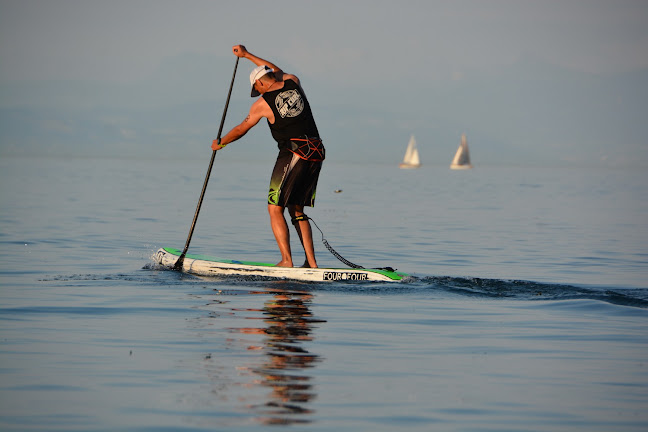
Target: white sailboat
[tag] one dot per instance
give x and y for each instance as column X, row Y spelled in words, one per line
column 411, row 159
column 462, row 157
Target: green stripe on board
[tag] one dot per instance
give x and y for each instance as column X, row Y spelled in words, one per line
column 178, row 252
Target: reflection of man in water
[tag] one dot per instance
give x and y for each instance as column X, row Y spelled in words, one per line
column 289, row 323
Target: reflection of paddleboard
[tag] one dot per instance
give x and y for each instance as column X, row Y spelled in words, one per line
column 209, row 266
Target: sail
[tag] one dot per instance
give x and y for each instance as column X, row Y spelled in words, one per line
column 411, row 159
column 462, row 157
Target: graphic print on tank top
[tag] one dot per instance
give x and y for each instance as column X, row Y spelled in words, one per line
column 289, row 103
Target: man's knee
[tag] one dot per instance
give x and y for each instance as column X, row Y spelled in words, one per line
column 275, row 209
column 295, row 210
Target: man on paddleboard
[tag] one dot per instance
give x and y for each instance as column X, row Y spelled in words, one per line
column 301, row 152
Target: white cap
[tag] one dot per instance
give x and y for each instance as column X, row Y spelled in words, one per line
column 257, row 73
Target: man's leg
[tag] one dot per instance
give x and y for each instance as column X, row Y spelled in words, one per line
column 305, row 234
column 281, row 233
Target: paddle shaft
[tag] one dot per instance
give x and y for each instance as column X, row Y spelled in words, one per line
column 178, row 264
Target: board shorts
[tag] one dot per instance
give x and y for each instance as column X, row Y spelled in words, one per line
column 294, row 180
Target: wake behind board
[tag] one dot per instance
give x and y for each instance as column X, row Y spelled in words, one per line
column 209, row 266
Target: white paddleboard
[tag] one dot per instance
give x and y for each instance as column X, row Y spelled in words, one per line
column 209, row 266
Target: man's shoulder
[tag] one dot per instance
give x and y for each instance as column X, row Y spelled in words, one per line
column 290, row 77
column 261, row 106
column 259, row 102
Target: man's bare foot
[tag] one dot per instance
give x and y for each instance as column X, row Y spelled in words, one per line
column 284, row 263
column 306, row 265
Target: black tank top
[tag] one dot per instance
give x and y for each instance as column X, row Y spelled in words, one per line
column 292, row 113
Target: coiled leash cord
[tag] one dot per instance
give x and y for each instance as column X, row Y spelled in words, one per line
column 297, row 219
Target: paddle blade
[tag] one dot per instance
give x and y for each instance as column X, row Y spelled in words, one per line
column 178, row 265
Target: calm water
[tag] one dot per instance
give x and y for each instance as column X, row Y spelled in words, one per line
column 528, row 310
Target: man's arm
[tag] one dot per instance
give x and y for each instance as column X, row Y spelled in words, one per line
column 258, row 110
column 241, row 51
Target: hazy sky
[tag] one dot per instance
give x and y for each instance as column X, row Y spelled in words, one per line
column 526, row 80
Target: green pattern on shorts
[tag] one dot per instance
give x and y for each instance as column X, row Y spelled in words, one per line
column 273, row 196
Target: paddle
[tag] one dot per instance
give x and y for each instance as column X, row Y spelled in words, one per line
column 178, row 264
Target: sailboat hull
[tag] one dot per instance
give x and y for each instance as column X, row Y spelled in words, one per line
column 408, row 166
column 460, row 167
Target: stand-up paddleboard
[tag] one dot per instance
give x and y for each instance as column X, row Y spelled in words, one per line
column 209, row 266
